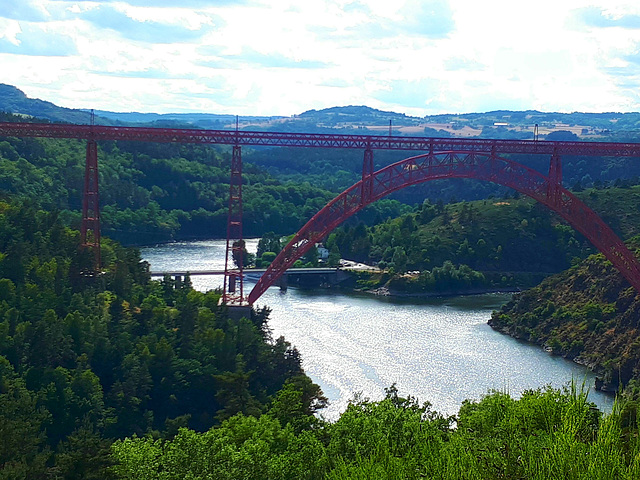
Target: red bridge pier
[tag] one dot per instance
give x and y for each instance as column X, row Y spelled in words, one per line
column 90, row 227
column 233, row 287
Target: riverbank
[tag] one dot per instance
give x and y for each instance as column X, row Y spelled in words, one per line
column 588, row 314
column 413, row 285
column 386, row 292
column 601, row 382
column 177, row 240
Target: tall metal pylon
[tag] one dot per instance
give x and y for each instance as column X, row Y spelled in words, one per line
column 367, row 175
column 233, row 289
column 90, row 228
column 555, row 179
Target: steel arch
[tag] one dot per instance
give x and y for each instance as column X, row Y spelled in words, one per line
column 454, row 164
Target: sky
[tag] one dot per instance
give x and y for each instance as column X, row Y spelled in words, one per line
column 283, row 57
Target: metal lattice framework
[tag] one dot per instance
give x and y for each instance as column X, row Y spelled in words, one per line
column 457, row 158
column 454, row 164
column 233, row 294
column 90, row 228
column 317, row 140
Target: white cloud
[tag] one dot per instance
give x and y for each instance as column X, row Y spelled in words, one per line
column 9, row 31
column 30, row 39
column 597, row 17
column 143, row 26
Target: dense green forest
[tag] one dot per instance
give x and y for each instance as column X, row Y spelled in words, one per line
column 88, row 360
column 116, row 376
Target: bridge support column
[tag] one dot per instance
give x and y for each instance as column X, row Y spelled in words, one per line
column 555, row 179
column 236, row 312
column 90, row 228
column 235, row 243
column 367, row 176
column 283, row 282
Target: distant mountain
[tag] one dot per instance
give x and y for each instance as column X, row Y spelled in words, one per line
column 606, row 120
column 358, row 114
column 200, row 120
column 14, row 100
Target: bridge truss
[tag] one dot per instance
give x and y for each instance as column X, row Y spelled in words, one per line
column 442, row 165
column 446, row 158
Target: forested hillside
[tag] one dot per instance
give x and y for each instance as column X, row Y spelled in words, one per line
column 13, row 100
column 336, row 170
column 588, row 313
column 87, row 360
column 326, row 169
column 467, row 246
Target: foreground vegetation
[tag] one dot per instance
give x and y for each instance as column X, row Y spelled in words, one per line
column 116, row 376
column 88, row 360
column 545, row 434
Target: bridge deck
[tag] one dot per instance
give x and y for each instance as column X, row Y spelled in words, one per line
column 317, row 140
column 249, row 271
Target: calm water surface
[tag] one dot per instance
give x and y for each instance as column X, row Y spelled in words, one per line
column 438, row 350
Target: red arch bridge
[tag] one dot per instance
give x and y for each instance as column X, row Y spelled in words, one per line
column 441, row 158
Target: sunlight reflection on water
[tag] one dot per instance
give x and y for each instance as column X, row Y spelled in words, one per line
column 439, row 350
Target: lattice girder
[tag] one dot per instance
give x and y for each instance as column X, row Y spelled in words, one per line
column 452, row 164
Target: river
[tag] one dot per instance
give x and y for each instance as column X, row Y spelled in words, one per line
column 440, row 350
